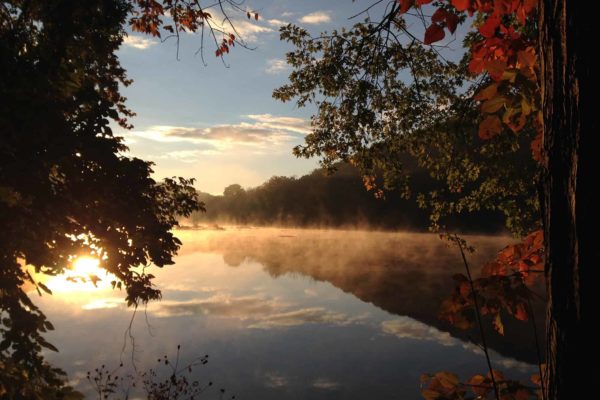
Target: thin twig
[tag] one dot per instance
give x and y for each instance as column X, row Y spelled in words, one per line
column 458, row 241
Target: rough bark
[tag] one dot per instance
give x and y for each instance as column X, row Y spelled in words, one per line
column 571, row 218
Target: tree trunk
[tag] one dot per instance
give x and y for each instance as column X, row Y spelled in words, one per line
column 571, row 219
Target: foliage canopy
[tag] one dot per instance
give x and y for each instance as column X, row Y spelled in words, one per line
column 67, row 187
column 382, row 96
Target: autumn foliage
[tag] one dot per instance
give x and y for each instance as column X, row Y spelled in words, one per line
column 171, row 17
column 503, row 54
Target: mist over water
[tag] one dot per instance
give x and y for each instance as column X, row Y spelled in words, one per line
column 293, row 314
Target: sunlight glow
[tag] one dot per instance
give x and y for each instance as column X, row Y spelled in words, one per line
column 85, row 274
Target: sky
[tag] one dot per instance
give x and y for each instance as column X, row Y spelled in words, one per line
column 219, row 123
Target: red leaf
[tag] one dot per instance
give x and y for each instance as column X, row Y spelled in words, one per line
column 521, row 313
column 434, row 33
column 439, row 15
column 495, row 68
column 451, row 22
column 461, row 5
column 488, row 29
column 422, row 2
column 405, row 5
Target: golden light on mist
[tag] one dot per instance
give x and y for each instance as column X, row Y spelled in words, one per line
column 84, row 274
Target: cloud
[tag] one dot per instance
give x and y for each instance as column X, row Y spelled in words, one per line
column 325, row 384
column 220, row 136
column 263, row 131
column 138, row 42
column 317, row 17
column 185, row 156
column 99, row 304
column 275, row 380
column 245, row 29
column 276, row 22
column 291, row 124
column 259, row 311
column 313, row 315
column 249, row 30
column 408, row 328
column 276, row 66
column 223, row 305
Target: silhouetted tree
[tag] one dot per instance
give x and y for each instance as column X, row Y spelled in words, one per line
column 66, row 186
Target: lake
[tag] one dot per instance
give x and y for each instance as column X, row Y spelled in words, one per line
column 289, row 314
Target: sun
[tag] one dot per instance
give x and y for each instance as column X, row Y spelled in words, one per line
column 85, row 274
column 85, row 266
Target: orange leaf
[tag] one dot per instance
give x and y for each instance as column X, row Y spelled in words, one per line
column 447, row 379
column 493, row 104
column 527, row 57
column 498, row 375
column 536, row 148
column 521, row 313
column 495, row 68
column 461, row 5
column 488, row 28
column 434, row 33
column 487, row 92
column 478, row 386
column 490, row 127
column 525, row 106
column 430, row 394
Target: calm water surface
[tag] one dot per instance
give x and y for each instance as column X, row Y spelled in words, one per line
column 289, row 314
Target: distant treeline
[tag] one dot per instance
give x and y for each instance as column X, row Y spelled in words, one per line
column 329, row 200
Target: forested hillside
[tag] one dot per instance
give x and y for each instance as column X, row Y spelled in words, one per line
column 313, row 200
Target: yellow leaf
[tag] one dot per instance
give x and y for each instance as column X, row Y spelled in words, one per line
column 498, row 325
column 509, row 76
column 487, row 92
column 493, row 104
column 525, row 106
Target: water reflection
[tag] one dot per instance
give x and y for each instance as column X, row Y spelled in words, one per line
column 336, row 315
